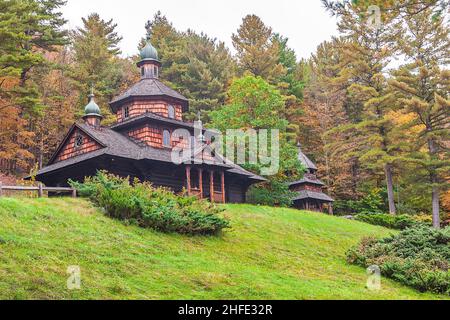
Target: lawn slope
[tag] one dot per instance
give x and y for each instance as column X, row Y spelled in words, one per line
column 269, row 254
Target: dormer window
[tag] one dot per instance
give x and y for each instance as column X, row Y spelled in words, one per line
column 166, row 139
column 171, row 111
column 126, row 112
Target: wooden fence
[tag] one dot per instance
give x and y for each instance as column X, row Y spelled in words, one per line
column 40, row 189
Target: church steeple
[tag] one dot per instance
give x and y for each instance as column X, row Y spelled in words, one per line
column 149, row 63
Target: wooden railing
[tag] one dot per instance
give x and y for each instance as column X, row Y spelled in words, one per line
column 40, row 189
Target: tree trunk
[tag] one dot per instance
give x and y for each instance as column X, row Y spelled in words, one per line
column 435, row 189
column 390, row 188
column 436, row 216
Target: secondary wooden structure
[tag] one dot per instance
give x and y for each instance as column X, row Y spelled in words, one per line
column 139, row 145
column 310, row 195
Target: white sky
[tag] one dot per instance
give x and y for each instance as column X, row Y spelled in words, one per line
column 304, row 22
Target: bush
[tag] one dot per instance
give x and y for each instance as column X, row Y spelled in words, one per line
column 399, row 222
column 272, row 193
column 372, row 202
column 150, row 207
column 418, row 257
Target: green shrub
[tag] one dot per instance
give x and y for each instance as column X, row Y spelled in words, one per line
column 150, row 207
column 418, row 257
column 373, row 202
column 399, row 222
column 272, row 193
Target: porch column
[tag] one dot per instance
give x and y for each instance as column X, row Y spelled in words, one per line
column 211, row 185
column 200, row 181
column 330, row 209
column 223, row 187
column 188, row 179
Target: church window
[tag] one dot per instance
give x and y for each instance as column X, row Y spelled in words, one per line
column 171, row 111
column 126, row 112
column 166, row 138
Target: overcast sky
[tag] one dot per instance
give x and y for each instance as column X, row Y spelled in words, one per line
column 304, row 22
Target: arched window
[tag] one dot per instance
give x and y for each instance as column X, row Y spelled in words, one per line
column 171, row 111
column 166, row 138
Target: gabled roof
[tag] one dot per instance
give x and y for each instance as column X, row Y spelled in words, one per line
column 306, row 194
column 149, row 87
column 66, row 138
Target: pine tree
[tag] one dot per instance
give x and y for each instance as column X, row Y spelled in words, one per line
column 209, row 73
column 423, row 88
column 199, row 67
column 291, row 84
column 171, row 46
column 96, row 62
column 325, row 99
column 257, row 50
column 369, row 49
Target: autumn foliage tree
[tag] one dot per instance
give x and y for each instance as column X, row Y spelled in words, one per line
column 423, row 87
column 28, row 29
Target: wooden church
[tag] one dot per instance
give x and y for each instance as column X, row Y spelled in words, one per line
column 310, row 195
column 140, row 144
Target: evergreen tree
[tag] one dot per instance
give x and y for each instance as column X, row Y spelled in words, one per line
column 325, row 99
column 28, row 29
column 423, row 88
column 210, row 70
column 291, row 85
column 171, row 46
column 257, row 50
column 199, row 67
column 96, row 62
column 369, row 49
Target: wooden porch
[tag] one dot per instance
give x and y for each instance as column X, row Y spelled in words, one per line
column 196, row 178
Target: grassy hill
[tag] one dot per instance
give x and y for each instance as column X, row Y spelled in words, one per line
column 269, row 254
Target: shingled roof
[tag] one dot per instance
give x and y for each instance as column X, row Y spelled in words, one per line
column 150, row 116
column 116, row 144
column 306, row 161
column 307, row 180
column 149, row 87
column 306, row 194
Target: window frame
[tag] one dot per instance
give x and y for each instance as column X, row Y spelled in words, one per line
column 169, row 145
column 174, row 112
column 126, row 112
column 78, row 141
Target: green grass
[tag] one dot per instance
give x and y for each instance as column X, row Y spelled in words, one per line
column 269, row 254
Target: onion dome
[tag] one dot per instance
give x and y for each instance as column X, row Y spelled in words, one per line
column 149, row 52
column 92, row 108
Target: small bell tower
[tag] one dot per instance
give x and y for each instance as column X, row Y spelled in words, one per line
column 92, row 114
column 149, row 64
